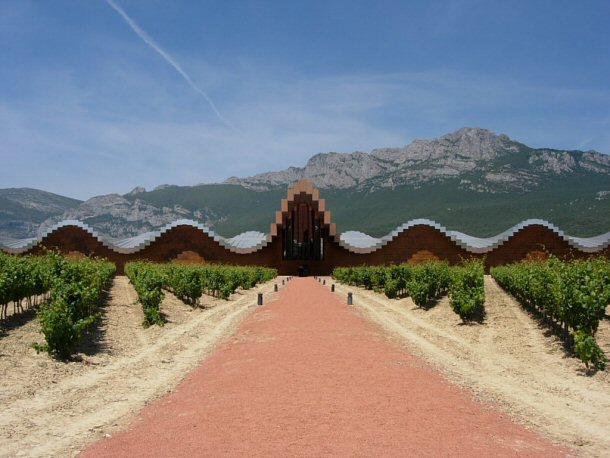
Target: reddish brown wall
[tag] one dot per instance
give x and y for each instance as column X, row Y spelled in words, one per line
column 404, row 248
column 532, row 239
column 414, row 244
column 71, row 239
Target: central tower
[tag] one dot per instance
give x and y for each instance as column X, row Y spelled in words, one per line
column 303, row 233
column 303, row 224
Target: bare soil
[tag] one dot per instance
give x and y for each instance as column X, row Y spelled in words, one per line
column 511, row 360
column 307, row 375
column 51, row 408
column 54, row 408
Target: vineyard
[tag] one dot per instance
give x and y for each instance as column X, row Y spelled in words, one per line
column 510, row 360
column 425, row 283
column 67, row 292
column 570, row 297
column 189, row 283
column 70, row 290
column 23, row 278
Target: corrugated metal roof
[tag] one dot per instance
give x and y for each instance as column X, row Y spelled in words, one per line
column 247, row 242
column 358, row 243
column 354, row 241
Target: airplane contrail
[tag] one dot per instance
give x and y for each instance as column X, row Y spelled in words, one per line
column 169, row 59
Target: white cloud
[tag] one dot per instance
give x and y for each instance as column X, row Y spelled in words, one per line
column 169, row 59
column 125, row 127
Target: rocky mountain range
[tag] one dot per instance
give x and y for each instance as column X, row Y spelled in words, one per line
column 470, row 180
column 113, row 214
column 485, row 161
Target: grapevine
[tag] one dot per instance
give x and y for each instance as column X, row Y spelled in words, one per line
column 571, row 296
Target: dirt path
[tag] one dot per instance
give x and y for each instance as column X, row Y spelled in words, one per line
column 509, row 360
column 308, row 376
column 52, row 408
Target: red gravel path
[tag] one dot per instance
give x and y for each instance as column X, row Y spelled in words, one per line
column 306, row 375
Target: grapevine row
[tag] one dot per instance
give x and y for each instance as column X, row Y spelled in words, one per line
column 571, row 295
column 189, row 283
column 76, row 289
column 148, row 281
column 22, row 277
column 424, row 282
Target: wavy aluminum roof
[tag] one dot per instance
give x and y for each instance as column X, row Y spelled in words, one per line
column 359, row 242
column 354, row 241
column 247, row 242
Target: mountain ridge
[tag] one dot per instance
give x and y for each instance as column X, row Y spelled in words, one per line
column 462, row 153
column 471, row 180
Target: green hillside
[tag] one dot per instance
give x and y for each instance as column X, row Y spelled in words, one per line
column 567, row 201
column 237, row 209
column 569, row 204
column 21, row 208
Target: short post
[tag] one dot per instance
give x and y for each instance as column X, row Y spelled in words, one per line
column 323, row 282
column 350, row 300
column 282, row 282
column 260, row 298
column 275, row 287
column 332, row 288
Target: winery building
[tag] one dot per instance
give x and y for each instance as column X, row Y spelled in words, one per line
column 302, row 239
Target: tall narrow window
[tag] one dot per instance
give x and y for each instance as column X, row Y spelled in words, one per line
column 302, row 236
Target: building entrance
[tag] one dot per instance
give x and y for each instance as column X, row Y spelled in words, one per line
column 303, row 233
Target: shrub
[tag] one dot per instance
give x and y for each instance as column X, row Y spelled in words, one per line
column 77, row 286
column 467, row 290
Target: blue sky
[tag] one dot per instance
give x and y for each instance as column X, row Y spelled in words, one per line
column 187, row 92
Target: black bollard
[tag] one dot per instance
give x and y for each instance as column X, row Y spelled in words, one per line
column 332, row 288
column 323, row 282
column 282, row 282
column 260, row 298
column 275, row 288
column 350, row 300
